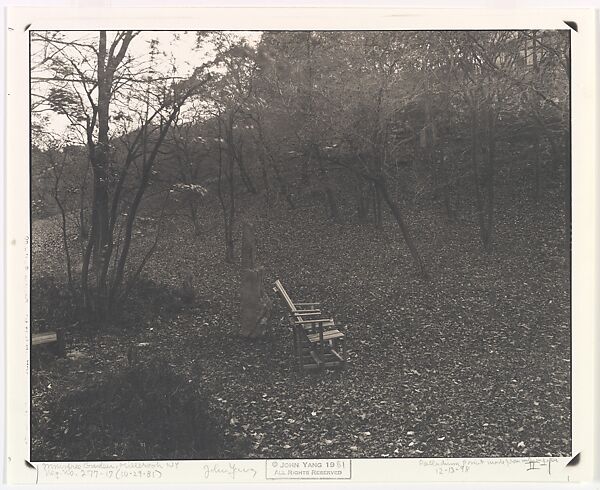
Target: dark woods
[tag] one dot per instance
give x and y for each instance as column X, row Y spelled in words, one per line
column 367, row 125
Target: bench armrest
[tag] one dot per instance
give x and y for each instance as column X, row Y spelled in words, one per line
column 314, row 321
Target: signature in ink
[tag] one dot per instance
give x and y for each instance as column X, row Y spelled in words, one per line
column 230, row 469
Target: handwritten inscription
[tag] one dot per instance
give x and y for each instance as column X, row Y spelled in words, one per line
column 324, row 469
column 141, row 471
column 443, row 467
column 228, row 470
column 544, row 464
column 117, row 471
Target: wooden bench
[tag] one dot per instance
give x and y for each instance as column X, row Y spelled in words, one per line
column 45, row 338
column 317, row 343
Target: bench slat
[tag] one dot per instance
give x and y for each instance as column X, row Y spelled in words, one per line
column 285, row 295
column 324, row 321
column 307, row 312
column 328, row 335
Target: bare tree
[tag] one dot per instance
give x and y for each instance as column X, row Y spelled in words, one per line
column 87, row 79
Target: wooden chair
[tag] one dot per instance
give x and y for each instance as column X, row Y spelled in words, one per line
column 317, row 343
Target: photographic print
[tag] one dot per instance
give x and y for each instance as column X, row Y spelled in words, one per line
column 293, row 250
column 413, row 186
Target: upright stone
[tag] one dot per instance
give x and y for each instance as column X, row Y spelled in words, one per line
column 255, row 305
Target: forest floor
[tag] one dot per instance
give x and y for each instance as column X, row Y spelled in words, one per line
column 473, row 363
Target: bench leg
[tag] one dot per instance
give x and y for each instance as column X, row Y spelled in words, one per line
column 342, row 344
column 298, row 350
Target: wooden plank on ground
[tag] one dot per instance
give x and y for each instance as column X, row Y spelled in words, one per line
column 44, row 338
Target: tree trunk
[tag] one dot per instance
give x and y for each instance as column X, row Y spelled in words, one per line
column 229, row 244
column 248, row 246
column 554, row 152
column 101, row 177
column 83, row 226
column 226, row 185
column 361, row 202
column 65, row 239
column 99, row 247
column 334, row 212
column 475, row 151
column 457, row 189
column 381, row 185
column 245, row 176
column 194, row 215
column 377, row 214
column 265, row 178
column 283, row 187
column 490, row 177
column 267, row 153
column 537, row 162
column 446, row 185
column 115, row 294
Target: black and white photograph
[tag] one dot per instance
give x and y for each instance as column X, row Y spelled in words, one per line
column 300, row 244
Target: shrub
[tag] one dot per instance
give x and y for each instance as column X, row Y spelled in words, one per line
column 53, row 305
column 144, row 412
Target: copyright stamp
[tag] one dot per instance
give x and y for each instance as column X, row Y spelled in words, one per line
column 309, row 469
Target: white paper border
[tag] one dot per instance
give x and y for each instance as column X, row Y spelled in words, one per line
column 584, row 205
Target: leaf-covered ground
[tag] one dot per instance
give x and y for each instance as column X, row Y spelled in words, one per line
column 475, row 362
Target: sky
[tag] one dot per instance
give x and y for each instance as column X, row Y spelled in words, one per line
column 182, row 45
column 176, row 49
